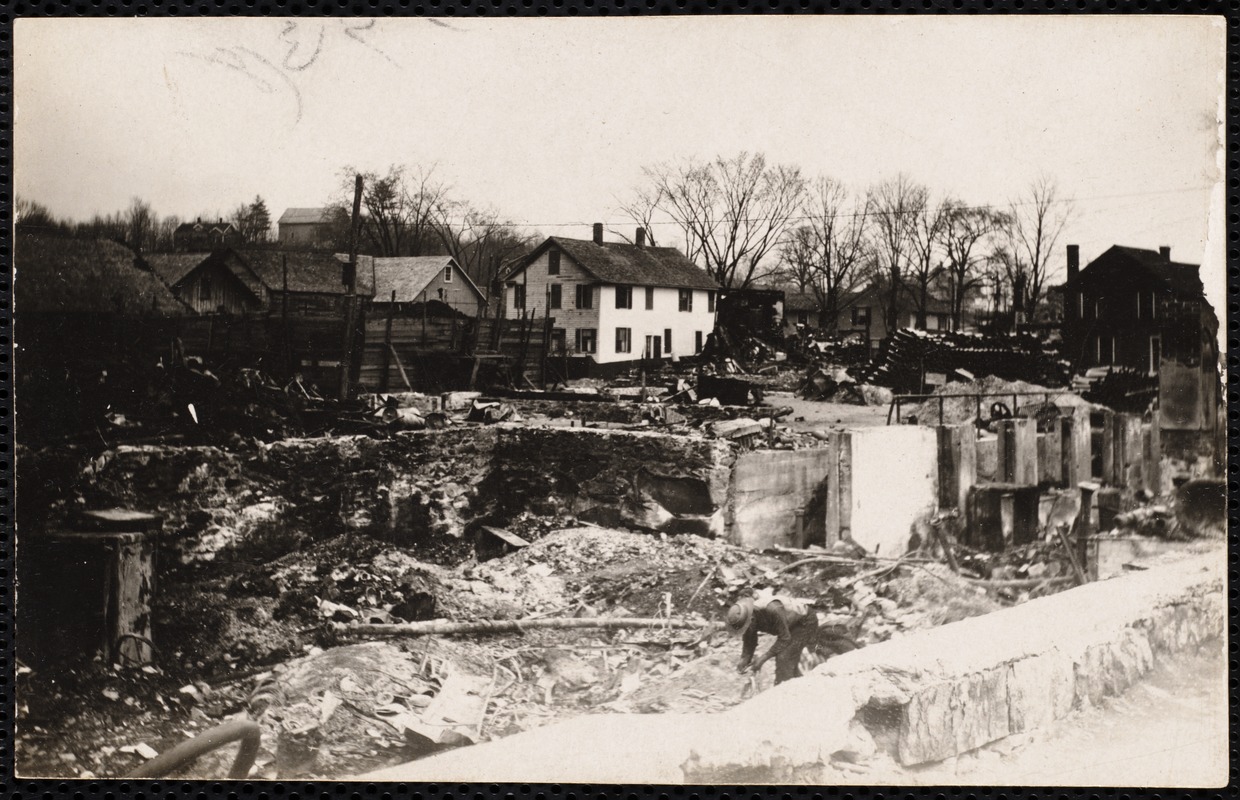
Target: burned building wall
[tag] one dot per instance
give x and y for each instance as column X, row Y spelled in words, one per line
column 677, row 484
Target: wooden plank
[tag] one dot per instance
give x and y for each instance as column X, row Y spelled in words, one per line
column 833, row 488
column 846, row 485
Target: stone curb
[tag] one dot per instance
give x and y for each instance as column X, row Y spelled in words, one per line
column 935, row 693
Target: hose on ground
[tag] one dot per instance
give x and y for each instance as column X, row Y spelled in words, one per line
column 185, row 753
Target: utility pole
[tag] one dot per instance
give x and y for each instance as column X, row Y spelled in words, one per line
column 350, row 282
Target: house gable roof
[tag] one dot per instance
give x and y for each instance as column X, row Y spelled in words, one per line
column 196, row 227
column 1184, row 280
column 408, row 277
column 305, row 216
column 612, row 262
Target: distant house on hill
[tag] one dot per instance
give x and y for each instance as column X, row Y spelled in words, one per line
column 218, row 282
column 422, row 279
column 1139, row 309
column 199, row 236
column 306, row 227
column 63, row 275
column 614, row 303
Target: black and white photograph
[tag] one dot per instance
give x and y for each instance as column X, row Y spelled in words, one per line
column 722, row 400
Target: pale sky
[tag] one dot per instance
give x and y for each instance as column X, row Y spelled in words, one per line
column 551, row 120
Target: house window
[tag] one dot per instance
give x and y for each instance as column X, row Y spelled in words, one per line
column 556, row 295
column 650, row 298
column 624, row 297
column 710, row 302
column 667, row 340
column 861, row 316
column 518, row 295
column 447, row 274
column 553, row 262
column 697, row 341
column 1104, row 350
column 624, row 340
column 1080, row 306
column 686, row 299
column 585, row 296
column 204, row 288
column 586, row 338
column 559, row 341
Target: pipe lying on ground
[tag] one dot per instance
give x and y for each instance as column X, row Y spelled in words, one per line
column 1019, row 583
column 187, row 753
column 443, row 626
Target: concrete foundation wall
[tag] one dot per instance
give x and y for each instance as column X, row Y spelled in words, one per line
column 894, row 482
column 936, row 693
column 774, row 494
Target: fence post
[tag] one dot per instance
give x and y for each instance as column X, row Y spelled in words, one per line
column 387, row 345
column 546, row 348
column 839, row 487
column 1017, row 448
column 957, row 463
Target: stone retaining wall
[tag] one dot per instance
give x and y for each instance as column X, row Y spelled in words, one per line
column 928, row 696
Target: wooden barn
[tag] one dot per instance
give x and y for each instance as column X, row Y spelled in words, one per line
column 217, row 283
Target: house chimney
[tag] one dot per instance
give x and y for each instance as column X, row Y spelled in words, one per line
column 598, row 233
column 1074, row 261
column 1165, row 252
column 640, row 238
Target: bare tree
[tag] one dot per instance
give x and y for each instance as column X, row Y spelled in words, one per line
column 253, row 221
column 826, row 253
column 480, row 241
column 165, row 234
column 140, row 222
column 965, row 233
column 31, row 214
column 400, row 208
column 896, row 204
column 732, row 211
column 1036, row 221
column 925, row 264
column 642, row 207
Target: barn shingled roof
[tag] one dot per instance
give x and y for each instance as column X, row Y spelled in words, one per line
column 612, row 262
column 63, row 274
column 310, row 273
column 173, row 267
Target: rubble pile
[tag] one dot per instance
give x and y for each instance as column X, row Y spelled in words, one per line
column 961, row 404
column 1118, row 388
column 905, row 357
column 329, row 702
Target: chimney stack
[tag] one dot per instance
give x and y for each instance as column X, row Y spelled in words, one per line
column 1165, row 252
column 1074, row 261
column 640, row 238
column 598, row 233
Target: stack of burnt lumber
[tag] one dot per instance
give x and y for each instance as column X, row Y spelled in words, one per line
column 906, row 357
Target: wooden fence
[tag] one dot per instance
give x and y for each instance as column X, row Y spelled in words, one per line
column 441, row 353
column 389, row 352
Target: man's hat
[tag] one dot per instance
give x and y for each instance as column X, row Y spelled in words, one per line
column 740, row 615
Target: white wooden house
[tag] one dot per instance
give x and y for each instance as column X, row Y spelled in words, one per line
column 612, row 302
